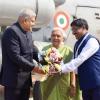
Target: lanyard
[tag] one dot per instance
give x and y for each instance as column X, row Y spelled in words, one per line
column 76, row 53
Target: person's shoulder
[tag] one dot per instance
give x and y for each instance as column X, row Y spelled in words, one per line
column 9, row 29
column 47, row 47
column 93, row 38
column 67, row 47
column 9, row 33
column 93, row 42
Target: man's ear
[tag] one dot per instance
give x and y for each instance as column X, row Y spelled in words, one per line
column 24, row 21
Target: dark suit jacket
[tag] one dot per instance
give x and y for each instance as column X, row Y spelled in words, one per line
column 17, row 55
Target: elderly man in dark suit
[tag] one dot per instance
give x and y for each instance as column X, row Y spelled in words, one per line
column 17, row 57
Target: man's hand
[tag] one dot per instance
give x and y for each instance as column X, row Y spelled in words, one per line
column 38, row 70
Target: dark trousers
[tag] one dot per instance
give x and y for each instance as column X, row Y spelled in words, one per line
column 91, row 94
column 37, row 91
column 16, row 94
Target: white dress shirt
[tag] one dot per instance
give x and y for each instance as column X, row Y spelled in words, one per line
column 90, row 48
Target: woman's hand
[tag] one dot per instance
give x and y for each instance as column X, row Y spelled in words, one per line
column 72, row 90
column 72, row 84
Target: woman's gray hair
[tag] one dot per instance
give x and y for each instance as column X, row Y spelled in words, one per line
column 27, row 13
column 61, row 30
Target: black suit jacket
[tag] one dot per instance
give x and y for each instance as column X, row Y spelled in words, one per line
column 17, row 55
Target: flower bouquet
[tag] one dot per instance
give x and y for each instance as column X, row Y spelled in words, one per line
column 50, row 59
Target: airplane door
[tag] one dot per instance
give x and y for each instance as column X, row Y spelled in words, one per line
column 92, row 15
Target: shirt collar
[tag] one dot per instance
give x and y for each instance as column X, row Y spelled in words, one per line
column 82, row 37
column 17, row 24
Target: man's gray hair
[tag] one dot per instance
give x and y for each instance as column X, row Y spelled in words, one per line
column 27, row 13
column 61, row 30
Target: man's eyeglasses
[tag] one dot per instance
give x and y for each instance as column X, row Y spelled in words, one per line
column 74, row 29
